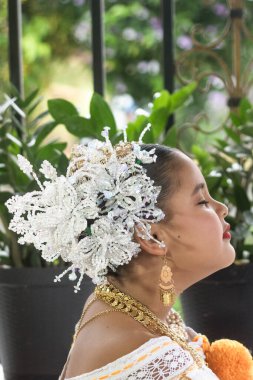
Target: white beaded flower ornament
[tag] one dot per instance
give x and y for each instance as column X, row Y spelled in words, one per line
column 88, row 217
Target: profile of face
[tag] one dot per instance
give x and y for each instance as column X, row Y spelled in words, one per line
column 194, row 236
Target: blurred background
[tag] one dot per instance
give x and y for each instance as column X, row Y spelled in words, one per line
column 57, row 53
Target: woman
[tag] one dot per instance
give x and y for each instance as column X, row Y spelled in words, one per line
column 128, row 329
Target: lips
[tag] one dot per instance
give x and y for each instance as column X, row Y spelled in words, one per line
column 227, row 234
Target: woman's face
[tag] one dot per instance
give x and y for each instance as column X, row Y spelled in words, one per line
column 194, row 235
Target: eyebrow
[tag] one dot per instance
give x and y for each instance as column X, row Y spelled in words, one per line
column 198, row 187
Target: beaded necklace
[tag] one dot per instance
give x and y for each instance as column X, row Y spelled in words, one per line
column 121, row 302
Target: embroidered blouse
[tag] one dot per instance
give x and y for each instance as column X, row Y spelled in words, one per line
column 159, row 358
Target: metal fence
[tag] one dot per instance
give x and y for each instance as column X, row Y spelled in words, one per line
column 98, row 46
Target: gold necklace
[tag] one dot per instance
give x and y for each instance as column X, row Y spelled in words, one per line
column 79, row 326
column 120, row 301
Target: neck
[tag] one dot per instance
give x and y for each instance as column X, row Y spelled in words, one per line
column 143, row 287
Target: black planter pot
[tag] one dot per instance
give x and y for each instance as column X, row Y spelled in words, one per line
column 37, row 321
column 221, row 305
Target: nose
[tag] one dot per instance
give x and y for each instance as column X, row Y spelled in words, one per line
column 221, row 209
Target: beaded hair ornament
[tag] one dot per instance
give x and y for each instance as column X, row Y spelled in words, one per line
column 88, row 217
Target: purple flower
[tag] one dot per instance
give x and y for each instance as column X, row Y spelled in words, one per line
column 184, row 42
column 155, row 23
column 217, row 100
column 220, row 10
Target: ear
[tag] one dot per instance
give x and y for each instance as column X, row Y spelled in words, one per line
column 150, row 246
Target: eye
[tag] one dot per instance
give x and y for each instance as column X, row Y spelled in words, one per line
column 204, row 202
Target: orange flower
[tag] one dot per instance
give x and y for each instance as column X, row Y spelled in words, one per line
column 230, row 360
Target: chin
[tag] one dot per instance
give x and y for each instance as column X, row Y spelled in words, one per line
column 229, row 256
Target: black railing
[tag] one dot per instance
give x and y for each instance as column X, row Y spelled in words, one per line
column 98, row 46
column 98, row 50
column 15, row 50
column 167, row 15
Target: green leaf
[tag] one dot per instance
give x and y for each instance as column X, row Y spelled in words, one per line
column 50, row 152
column 171, row 137
column 158, row 118
column 61, row 109
column 62, row 164
column 221, row 143
column 81, row 127
column 204, row 159
column 13, row 139
column 233, row 135
column 101, row 115
column 244, row 108
column 200, row 153
column 242, row 116
column 117, row 137
column 18, row 180
column 135, row 127
column 25, row 103
column 4, row 215
column 213, row 183
column 247, row 131
column 179, row 97
column 33, row 106
column 236, row 120
column 162, row 100
column 4, row 179
column 4, row 196
column 241, row 198
column 34, row 122
column 43, row 131
column 148, row 137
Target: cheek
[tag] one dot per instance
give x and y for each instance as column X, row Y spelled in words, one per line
column 195, row 242
column 207, row 226
column 201, row 230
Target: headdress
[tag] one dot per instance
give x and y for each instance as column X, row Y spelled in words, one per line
column 88, row 217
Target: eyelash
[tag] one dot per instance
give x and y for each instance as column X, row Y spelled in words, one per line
column 203, row 203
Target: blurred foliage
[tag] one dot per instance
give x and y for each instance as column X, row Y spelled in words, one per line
column 54, row 30
column 228, row 168
column 48, row 35
column 161, row 108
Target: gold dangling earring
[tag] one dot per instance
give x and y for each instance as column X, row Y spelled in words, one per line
column 166, row 285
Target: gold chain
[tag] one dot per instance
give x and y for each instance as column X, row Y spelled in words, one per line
column 127, row 304
column 79, row 327
column 121, row 302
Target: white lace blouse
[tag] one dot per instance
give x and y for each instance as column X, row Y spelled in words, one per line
column 157, row 359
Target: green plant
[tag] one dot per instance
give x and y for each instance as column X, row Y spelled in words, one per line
column 229, row 172
column 161, row 108
column 23, row 135
column 27, row 137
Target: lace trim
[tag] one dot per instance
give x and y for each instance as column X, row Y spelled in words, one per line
column 159, row 358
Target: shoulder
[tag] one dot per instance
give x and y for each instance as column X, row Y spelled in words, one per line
column 140, row 359
column 104, row 341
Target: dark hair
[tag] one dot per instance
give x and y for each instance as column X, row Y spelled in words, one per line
column 164, row 173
